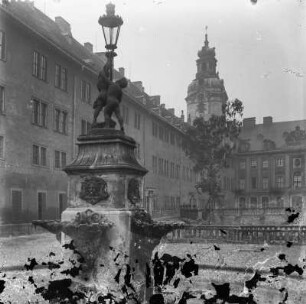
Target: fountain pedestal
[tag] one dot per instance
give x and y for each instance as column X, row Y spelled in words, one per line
column 105, row 178
column 113, row 237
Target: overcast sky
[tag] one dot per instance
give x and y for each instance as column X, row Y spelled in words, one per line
column 260, row 48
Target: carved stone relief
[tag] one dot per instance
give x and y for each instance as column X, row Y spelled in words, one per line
column 93, row 190
column 134, row 191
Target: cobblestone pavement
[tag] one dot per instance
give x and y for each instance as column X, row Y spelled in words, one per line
column 219, row 263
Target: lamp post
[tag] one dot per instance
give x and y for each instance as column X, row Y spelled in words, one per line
column 111, row 24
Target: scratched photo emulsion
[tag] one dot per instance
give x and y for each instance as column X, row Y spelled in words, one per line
column 152, row 152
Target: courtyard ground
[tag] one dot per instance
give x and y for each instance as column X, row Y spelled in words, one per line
column 281, row 269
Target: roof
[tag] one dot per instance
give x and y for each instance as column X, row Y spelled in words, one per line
column 274, row 136
column 35, row 20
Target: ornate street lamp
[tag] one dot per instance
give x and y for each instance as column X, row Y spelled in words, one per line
column 111, row 24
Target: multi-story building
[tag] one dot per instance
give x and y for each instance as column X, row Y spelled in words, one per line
column 265, row 182
column 47, row 88
column 269, row 171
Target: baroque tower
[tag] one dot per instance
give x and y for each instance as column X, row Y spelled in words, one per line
column 206, row 93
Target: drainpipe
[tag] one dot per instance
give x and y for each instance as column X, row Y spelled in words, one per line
column 144, row 161
column 74, row 108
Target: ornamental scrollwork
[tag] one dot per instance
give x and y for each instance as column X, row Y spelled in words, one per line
column 90, row 217
column 294, row 137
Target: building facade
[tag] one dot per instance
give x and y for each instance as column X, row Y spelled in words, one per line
column 270, row 171
column 47, row 88
column 265, row 182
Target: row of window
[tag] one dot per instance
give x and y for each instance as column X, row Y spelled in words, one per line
column 17, row 203
column 265, row 202
column 40, row 116
column 39, row 70
column 279, row 162
column 164, row 134
column 39, row 157
column 61, row 76
column 169, row 169
column 161, row 166
column 279, row 182
column 260, row 202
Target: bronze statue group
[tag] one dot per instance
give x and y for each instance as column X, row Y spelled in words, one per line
column 109, row 98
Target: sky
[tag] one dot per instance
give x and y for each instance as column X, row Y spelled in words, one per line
column 260, row 47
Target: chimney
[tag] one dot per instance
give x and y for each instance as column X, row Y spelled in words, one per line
column 89, row 46
column 63, row 25
column 249, row 122
column 139, row 86
column 182, row 116
column 162, row 106
column 268, row 120
column 155, row 100
column 171, row 110
column 122, row 71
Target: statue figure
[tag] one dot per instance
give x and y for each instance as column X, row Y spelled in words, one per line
column 109, row 98
column 114, row 96
column 102, row 86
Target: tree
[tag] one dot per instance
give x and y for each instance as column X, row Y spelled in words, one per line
column 210, row 143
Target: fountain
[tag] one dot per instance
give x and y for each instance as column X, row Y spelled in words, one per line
column 113, row 235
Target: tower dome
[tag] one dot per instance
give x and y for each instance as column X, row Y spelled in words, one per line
column 206, row 93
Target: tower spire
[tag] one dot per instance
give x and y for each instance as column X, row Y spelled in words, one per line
column 206, row 39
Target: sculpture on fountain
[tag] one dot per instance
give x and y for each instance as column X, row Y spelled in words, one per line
column 102, row 86
column 109, row 98
column 114, row 96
